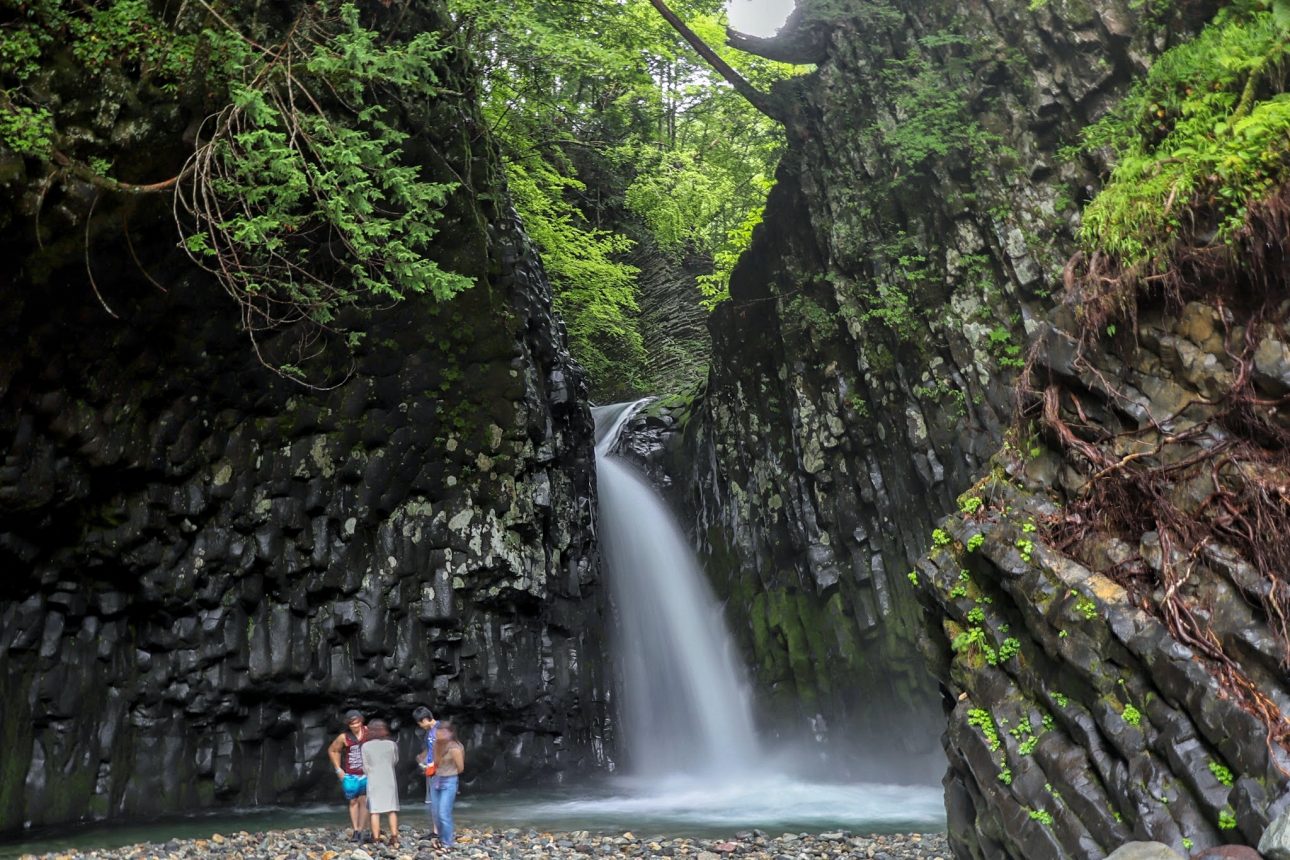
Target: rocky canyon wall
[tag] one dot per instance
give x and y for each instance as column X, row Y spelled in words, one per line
column 207, row 562
column 864, row 376
column 862, row 369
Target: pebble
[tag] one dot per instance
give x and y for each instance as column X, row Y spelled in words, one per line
column 488, row 843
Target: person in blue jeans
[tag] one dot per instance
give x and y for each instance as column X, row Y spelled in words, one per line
column 429, row 724
column 450, row 761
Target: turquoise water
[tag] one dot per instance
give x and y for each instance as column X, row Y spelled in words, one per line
column 674, row 807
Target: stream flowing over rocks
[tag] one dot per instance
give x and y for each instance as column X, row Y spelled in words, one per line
column 206, row 563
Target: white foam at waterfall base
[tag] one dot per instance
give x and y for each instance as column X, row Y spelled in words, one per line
column 773, row 802
column 695, row 761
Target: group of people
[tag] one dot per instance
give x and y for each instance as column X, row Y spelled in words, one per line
column 364, row 757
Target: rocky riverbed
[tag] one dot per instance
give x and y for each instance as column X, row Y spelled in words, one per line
column 332, row 844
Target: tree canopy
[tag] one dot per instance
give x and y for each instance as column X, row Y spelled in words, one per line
column 613, row 130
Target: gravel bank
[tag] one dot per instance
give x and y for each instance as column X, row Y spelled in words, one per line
column 330, row 844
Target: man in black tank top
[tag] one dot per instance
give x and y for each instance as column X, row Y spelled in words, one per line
column 347, row 760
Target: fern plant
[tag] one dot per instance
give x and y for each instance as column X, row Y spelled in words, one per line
column 1208, row 128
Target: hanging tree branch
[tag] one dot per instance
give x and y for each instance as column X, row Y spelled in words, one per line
column 758, row 99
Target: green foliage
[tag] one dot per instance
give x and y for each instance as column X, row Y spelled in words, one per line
column 982, row 720
column 1087, row 608
column 974, row 542
column 932, row 106
column 26, row 130
column 1026, row 548
column 98, row 37
column 612, row 131
column 1207, row 129
column 1221, row 773
column 300, row 209
column 941, row 538
column 1227, row 820
column 1005, row 775
column 594, row 291
column 1132, row 716
column 1042, row 816
column 300, row 198
column 912, row 576
column 1009, row 648
column 969, row 505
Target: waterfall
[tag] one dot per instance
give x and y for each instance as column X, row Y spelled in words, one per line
column 687, row 707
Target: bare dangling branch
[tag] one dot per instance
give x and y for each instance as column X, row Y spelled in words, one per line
column 758, row 99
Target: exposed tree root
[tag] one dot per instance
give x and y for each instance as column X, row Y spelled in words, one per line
column 1238, row 451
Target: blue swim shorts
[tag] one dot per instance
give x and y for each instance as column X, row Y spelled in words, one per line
column 354, row 786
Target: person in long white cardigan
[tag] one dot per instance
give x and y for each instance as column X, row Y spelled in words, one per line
column 380, row 755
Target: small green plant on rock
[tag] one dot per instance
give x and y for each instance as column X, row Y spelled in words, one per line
column 1087, row 608
column 970, row 505
column 974, row 542
column 981, row 720
column 1027, row 548
column 1042, row 816
column 1227, row 820
column 1132, row 716
column 973, row 642
column 941, row 538
column 1221, row 773
column 1009, row 648
column 912, row 576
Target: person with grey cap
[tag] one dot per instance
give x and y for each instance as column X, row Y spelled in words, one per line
column 347, row 760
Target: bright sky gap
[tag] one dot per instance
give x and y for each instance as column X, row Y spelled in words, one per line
column 759, row 17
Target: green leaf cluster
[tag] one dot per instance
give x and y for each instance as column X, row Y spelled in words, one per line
column 301, row 196
column 1206, row 131
column 318, row 205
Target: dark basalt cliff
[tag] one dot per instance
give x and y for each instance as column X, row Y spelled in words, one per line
column 863, row 378
column 840, row 421
column 206, row 562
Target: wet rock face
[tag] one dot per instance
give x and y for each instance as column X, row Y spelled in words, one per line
column 862, row 369
column 205, row 563
column 1081, row 717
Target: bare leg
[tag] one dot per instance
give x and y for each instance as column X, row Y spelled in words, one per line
column 394, row 826
column 356, row 807
column 362, row 812
column 376, row 827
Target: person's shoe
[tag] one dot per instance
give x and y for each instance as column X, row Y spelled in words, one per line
column 356, row 836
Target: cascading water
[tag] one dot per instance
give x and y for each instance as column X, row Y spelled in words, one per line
column 687, row 708
column 697, row 765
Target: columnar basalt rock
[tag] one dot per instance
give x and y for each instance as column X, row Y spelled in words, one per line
column 206, row 562
column 1075, row 699
column 863, row 369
